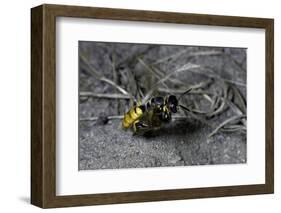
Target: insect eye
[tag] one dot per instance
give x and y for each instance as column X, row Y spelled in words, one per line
column 173, row 100
column 157, row 100
column 173, row 108
column 173, row 103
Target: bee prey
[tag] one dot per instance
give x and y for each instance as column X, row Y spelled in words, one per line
column 151, row 115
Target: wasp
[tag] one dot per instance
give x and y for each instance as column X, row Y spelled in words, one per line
column 150, row 115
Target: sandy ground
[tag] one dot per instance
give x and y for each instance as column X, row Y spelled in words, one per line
column 103, row 144
column 178, row 144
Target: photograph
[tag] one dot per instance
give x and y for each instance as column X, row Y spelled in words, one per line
column 170, row 105
column 161, row 105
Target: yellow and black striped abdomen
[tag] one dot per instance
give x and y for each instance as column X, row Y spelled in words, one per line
column 131, row 116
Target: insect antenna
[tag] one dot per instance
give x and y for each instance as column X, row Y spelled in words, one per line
column 185, row 108
column 184, row 93
column 190, row 112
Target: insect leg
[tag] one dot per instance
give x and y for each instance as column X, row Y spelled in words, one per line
column 139, row 126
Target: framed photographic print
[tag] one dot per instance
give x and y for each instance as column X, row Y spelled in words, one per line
column 136, row 106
